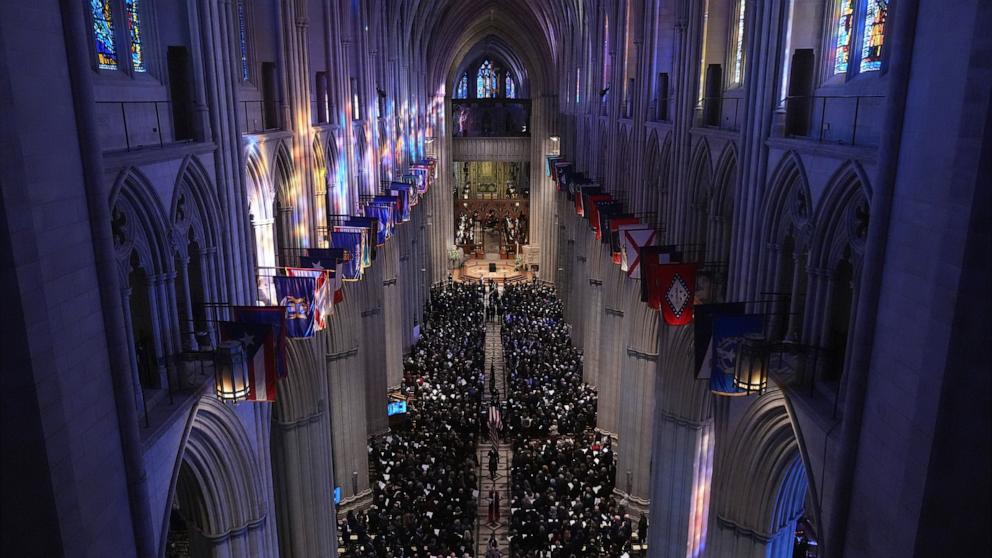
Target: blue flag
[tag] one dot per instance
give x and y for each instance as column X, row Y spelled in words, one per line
column 297, row 296
column 728, row 331
column 352, row 242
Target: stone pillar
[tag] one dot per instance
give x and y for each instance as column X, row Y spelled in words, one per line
column 303, row 476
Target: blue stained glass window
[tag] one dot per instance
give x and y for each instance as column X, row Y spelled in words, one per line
column 103, row 34
column 243, row 40
column 485, row 81
column 845, row 28
column 462, row 91
column 136, row 35
column 511, row 88
column 874, row 35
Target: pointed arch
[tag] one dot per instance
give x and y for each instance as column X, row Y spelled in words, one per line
column 721, row 225
column 787, row 202
column 194, row 208
column 282, row 175
column 761, row 489
column 139, row 224
column 841, row 218
column 216, row 483
column 786, row 218
column 698, row 197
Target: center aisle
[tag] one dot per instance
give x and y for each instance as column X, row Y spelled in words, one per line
column 499, row 526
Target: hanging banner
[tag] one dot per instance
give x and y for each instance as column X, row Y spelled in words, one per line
column 413, row 180
column 728, row 332
column 393, row 202
column 402, row 191
column 704, row 316
column 651, row 258
column 634, row 241
column 581, row 191
column 607, row 210
column 678, row 289
column 323, row 297
column 371, row 227
column 364, row 242
column 274, row 317
column 352, row 243
column 296, row 296
column 615, row 223
column 382, row 215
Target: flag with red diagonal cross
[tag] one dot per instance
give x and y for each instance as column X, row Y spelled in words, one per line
column 630, row 254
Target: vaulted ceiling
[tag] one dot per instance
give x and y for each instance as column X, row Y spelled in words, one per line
column 530, row 34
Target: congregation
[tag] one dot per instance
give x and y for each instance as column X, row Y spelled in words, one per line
column 426, row 486
column 563, row 474
column 424, row 493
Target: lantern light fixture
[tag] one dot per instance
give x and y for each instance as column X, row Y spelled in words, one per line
column 230, row 372
column 751, row 372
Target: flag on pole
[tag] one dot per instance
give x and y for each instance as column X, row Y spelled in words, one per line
column 331, row 260
column 605, row 210
column 674, row 291
column 635, row 240
column 296, row 295
column 651, row 258
column 402, row 191
column 274, row 316
column 323, row 296
column 351, row 242
column 259, row 343
column 704, row 317
column 613, row 234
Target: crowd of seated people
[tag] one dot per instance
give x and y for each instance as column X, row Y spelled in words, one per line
column 424, row 486
column 562, row 474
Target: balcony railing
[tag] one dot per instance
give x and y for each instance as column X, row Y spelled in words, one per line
column 259, row 116
column 836, row 119
column 133, row 125
column 720, row 112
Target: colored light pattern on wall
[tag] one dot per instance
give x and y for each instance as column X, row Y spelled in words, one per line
column 136, row 35
column 701, row 485
column 578, row 83
column 845, row 30
column 874, row 35
column 103, row 34
column 511, row 88
column 462, row 91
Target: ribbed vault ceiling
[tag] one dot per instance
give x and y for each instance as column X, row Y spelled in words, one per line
column 529, row 34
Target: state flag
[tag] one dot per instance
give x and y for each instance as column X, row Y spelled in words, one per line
column 674, row 291
column 274, row 316
column 635, row 240
column 296, row 295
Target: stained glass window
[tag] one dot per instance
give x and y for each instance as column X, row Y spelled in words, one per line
column 511, row 88
column 103, row 33
column 462, row 91
column 874, row 35
column 845, row 29
column 136, row 35
column 485, row 81
column 739, row 43
column 243, row 40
